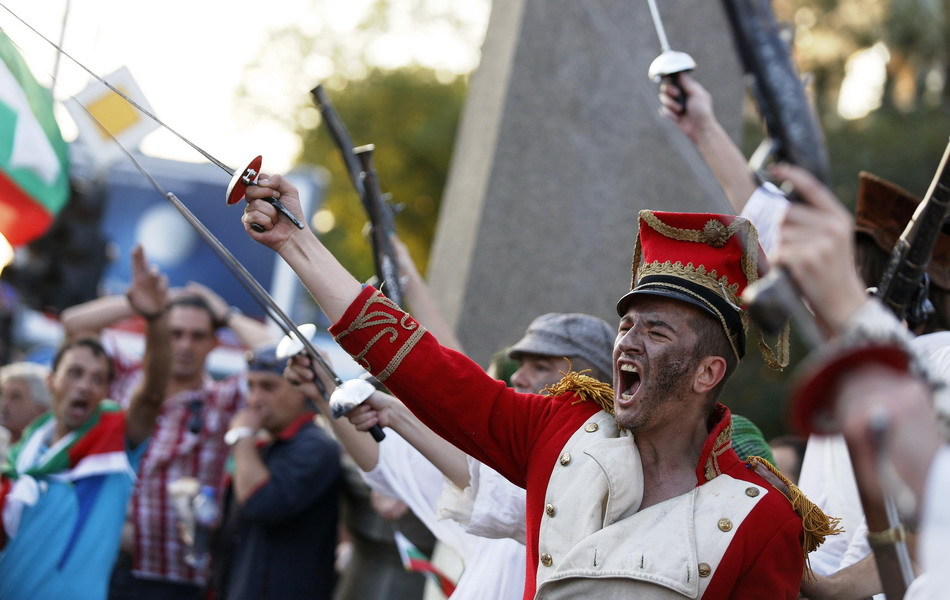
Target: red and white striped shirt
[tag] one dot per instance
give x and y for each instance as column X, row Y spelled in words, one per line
column 188, row 441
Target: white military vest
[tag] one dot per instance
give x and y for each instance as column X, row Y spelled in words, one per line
column 593, row 542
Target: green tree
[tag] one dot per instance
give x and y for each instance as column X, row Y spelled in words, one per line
column 410, row 115
column 902, row 140
column 391, row 89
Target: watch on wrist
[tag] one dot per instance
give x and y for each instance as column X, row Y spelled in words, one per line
column 237, row 434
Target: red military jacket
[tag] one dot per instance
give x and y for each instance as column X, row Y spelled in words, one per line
column 522, row 437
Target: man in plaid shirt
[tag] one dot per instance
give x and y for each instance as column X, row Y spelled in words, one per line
column 188, row 440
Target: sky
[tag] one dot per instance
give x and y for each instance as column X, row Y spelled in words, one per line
column 189, row 58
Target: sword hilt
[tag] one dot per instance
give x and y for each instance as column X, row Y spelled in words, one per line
column 674, row 80
column 276, row 203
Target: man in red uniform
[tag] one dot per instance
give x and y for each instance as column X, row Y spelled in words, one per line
column 631, row 492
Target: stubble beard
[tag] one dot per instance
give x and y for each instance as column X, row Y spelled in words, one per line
column 666, row 389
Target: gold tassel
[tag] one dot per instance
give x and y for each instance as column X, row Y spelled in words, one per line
column 585, row 387
column 776, row 359
column 816, row 525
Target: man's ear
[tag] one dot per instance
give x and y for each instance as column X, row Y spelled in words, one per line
column 709, row 372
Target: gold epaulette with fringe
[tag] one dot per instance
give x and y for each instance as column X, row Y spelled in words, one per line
column 816, row 525
column 585, row 387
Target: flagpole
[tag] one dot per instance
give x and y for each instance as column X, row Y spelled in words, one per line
column 59, row 51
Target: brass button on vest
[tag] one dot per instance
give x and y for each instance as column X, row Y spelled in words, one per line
column 725, row 524
column 704, row 569
column 591, row 427
column 566, row 459
column 751, row 492
column 546, row 560
column 549, row 509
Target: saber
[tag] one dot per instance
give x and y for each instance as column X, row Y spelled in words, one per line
column 340, row 404
column 670, row 63
column 239, row 180
column 247, row 280
column 347, row 393
column 658, row 25
column 253, row 287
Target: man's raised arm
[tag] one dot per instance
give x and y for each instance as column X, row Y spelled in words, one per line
column 386, row 411
column 147, row 296
column 328, row 282
column 398, row 351
column 700, row 125
column 89, row 318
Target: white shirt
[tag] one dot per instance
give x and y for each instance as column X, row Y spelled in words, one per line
column 494, row 568
column 765, row 210
column 491, row 506
column 934, row 549
column 827, row 478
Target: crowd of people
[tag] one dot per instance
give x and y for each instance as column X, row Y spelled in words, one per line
column 608, row 465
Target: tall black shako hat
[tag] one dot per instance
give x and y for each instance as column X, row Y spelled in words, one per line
column 706, row 260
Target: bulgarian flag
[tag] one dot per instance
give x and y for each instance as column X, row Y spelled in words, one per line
column 97, row 447
column 34, row 159
column 414, row 560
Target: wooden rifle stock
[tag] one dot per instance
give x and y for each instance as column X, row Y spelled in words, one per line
column 795, row 137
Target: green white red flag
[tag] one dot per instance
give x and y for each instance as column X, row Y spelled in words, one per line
column 34, row 159
column 414, row 560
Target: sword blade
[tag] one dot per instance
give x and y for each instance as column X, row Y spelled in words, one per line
column 658, row 25
column 254, row 288
column 119, row 93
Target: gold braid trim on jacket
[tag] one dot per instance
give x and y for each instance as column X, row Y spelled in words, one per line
column 816, row 525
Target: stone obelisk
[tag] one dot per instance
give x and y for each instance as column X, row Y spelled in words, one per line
column 560, row 146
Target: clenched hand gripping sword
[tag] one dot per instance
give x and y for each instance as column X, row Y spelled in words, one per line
column 670, row 63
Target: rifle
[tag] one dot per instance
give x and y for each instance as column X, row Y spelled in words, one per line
column 793, row 130
column 904, row 284
column 793, row 136
column 359, row 166
column 796, row 138
column 381, row 229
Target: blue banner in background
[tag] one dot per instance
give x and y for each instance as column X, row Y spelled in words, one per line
column 136, row 212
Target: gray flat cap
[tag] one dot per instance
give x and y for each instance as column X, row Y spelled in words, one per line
column 569, row 334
